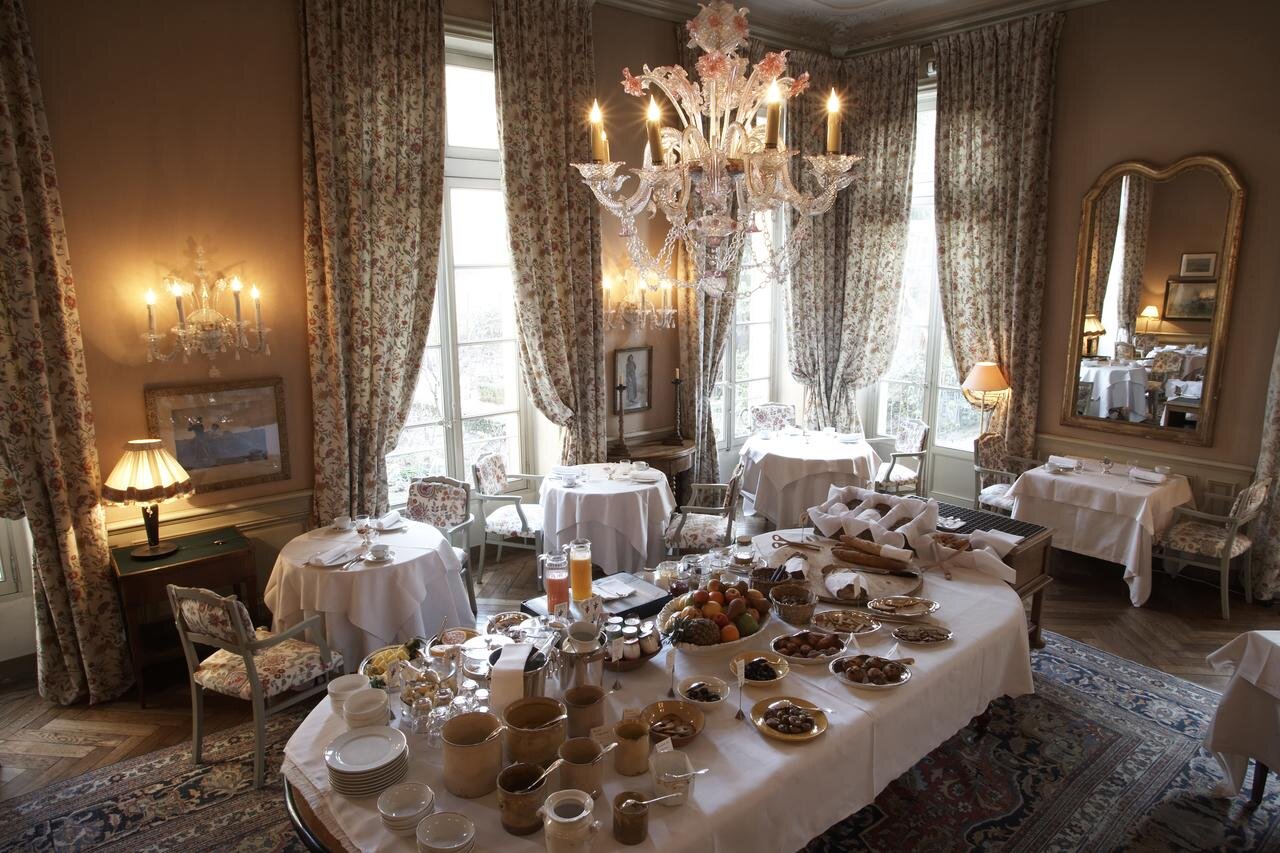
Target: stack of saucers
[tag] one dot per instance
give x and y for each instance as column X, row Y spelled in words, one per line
column 342, row 687
column 403, row 806
column 367, row 761
column 366, row 707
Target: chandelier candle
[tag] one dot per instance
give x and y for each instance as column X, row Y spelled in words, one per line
column 235, row 295
column 176, row 290
column 598, row 142
column 653, row 125
column 151, row 311
column 773, row 115
column 833, row 123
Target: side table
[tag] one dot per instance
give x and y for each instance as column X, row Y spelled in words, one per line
column 674, row 460
column 210, row 559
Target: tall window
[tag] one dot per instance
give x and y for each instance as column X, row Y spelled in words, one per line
column 750, row 351
column 921, row 382
column 469, row 398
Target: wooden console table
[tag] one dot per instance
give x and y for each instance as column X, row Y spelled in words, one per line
column 674, row 460
column 211, row 559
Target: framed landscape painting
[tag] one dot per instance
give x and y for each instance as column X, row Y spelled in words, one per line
column 1190, row 300
column 226, row 434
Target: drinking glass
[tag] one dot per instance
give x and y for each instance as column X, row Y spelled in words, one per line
column 1106, row 464
column 364, row 527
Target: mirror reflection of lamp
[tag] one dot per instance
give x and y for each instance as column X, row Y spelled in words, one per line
column 1149, row 313
column 1092, row 333
column 147, row 474
column 985, row 378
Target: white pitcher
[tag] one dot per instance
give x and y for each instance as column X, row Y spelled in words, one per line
column 567, row 821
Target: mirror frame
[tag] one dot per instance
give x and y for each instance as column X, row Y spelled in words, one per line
column 1203, row 433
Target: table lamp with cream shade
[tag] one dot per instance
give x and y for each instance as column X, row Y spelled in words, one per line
column 148, row 474
column 1092, row 332
column 1149, row 313
column 985, row 378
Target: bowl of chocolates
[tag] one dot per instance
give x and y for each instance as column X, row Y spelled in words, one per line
column 763, row 669
column 675, row 719
column 706, row 691
column 871, row 672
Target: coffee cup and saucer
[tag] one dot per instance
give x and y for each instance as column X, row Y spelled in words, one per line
column 380, row 552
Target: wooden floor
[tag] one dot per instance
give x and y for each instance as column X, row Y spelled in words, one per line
column 42, row 743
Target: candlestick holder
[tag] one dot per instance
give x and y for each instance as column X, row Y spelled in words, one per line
column 678, row 437
column 619, row 447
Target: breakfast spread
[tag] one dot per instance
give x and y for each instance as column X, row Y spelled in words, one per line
column 789, row 719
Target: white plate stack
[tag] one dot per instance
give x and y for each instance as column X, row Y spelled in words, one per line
column 404, row 806
column 367, row 761
column 366, row 707
column 342, row 687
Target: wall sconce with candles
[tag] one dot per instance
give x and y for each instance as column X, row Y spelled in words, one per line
column 206, row 330
column 638, row 304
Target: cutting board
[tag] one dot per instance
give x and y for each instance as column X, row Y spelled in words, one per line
column 876, row 585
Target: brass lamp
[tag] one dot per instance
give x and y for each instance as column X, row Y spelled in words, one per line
column 148, row 474
column 985, row 378
column 1092, row 332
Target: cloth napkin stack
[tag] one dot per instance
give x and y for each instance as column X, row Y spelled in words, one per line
column 388, row 521
column 852, row 511
column 506, row 678
column 1063, row 462
column 335, row 556
column 986, row 549
column 1142, row 475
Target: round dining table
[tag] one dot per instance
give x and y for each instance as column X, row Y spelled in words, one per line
column 622, row 516
column 1116, row 385
column 785, row 474
column 367, row 604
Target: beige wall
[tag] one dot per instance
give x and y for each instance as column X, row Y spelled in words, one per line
column 1156, row 80
column 1188, row 214
column 174, row 122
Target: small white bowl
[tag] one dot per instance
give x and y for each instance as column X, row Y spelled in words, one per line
column 718, row 685
column 404, row 806
column 445, row 832
column 342, row 687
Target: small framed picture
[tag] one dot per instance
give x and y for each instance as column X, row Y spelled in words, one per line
column 1190, row 300
column 632, row 368
column 226, row 434
column 1199, row 265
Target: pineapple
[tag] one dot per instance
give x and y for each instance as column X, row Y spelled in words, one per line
column 699, row 632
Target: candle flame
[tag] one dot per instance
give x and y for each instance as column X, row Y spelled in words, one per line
column 596, row 115
column 655, row 113
column 253, row 292
column 176, row 288
column 833, row 102
column 236, row 286
column 150, row 297
column 774, row 94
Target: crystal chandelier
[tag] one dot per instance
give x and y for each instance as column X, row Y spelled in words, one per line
column 632, row 308
column 205, row 330
column 717, row 176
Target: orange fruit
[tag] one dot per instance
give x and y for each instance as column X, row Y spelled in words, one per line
column 729, row 633
column 717, row 597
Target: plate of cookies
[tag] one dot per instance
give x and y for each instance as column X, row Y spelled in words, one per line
column 871, row 672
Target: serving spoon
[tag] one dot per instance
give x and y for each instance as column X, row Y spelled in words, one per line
column 627, row 804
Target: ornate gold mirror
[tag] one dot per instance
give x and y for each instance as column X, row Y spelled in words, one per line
column 1155, row 267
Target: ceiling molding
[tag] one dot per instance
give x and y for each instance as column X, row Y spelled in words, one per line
column 679, row 11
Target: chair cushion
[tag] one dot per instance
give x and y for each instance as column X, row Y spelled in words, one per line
column 700, row 532
column 1197, row 537
column 900, row 474
column 996, row 495
column 202, row 617
column 282, row 667
column 437, row 504
column 505, row 521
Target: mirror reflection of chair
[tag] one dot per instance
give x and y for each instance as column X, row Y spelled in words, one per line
column 1084, row 394
column 911, row 441
column 1165, row 366
column 1209, row 541
column 445, row 504
column 707, row 521
column 772, row 416
column 513, row 523
column 995, row 470
column 1125, row 350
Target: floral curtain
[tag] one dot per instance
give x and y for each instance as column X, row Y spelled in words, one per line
column 845, row 292
column 373, row 174
column 1102, row 247
column 995, row 106
column 703, row 326
column 1266, row 544
column 1137, row 212
column 546, row 80
column 48, row 454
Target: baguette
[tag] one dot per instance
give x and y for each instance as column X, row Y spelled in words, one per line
column 862, row 558
column 863, row 545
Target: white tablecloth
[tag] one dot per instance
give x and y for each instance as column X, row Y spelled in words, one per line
column 369, row 605
column 1247, row 722
column 623, row 519
column 1115, row 386
column 761, row 794
column 787, row 474
column 1107, row 516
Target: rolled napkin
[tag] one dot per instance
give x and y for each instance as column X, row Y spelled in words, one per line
column 1063, row 461
column 388, row 521
column 506, row 677
column 335, row 556
column 1142, row 475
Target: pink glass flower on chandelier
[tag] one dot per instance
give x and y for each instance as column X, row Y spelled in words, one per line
column 800, row 84
column 772, row 66
column 713, row 66
column 718, row 28
column 630, row 84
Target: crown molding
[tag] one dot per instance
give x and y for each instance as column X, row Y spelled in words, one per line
column 679, row 11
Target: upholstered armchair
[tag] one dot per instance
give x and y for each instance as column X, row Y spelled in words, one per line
column 911, row 441
column 1125, row 350
column 994, row 471
column 707, row 522
column 1196, row 538
column 254, row 665
column 772, row 416
column 507, row 521
column 1164, row 366
column 445, row 504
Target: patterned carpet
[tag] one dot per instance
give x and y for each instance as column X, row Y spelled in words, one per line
column 1105, row 756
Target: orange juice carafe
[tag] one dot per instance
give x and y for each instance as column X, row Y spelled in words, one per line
column 580, row 568
column 555, row 579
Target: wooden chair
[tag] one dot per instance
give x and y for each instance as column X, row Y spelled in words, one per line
column 1165, row 366
column 994, row 471
column 254, row 665
column 445, row 504
column 1212, row 541
column 911, row 441
column 772, row 416
column 708, row 521
column 513, row 523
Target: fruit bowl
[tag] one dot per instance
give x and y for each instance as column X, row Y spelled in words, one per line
column 667, row 619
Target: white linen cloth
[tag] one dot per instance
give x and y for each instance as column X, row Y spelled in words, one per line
column 1183, row 388
column 852, row 511
column 1107, row 516
column 873, row 737
column 787, row 474
column 623, row 519
column 1115, row 386
column 370, row 605
column 1247, row 722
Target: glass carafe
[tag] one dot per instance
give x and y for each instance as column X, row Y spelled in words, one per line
column 554, row 569
column 579, row 551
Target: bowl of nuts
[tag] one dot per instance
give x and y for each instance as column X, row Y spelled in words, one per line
column 707, row 691
column 869, row 672
column 672, row 718
column 809, row 647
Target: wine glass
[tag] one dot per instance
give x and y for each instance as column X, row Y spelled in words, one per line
column 364, row 528
column 1107, row 462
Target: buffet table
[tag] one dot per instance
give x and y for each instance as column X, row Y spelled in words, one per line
column 786, row 474
column 370, row 605
column 1107, row 516
column 623, row 518
column 874, row 736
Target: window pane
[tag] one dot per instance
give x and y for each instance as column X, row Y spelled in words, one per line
column 910, row 355
column 487, row 378
column 756, row 306
column 433, row 331
column 485, row 301
column 478, row 227
column 717, row 412
column 492, row 435
column 946, row 364
column 899, row 401
column 471, row 107
column 428, row 396
column 752, row 358
column 957, row 422
column 746, row 395
column 419, row 453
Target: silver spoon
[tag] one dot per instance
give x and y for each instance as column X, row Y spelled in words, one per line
column 633, row 803
column 549, row 723
column 674, row 776
column 545, row 773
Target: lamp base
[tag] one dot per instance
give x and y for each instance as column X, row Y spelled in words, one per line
column 153, row 552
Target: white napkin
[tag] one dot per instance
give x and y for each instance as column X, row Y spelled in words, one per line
column 388, row 521
column 565, row 470
column 1062, row 461
column 335, row 556
column 852, row 511
column 1142, row 475
column 506, row 677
